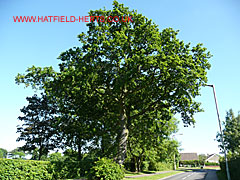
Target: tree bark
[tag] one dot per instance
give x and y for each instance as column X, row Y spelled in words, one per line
column 40, row 153
column 79, row 152
column 138, row 164
column 122, row 152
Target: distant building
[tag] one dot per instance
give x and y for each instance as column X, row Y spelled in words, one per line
column 188, row 156
column 212, row 158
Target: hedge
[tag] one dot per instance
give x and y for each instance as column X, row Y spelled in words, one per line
column 31, row 169
column 24, row 169
column 193, row 163
column 233, row 168
column 211, row 164
column 15, row 169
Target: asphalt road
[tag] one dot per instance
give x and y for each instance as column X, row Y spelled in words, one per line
column 196, row 174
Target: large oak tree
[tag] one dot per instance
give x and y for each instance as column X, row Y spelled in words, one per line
column 121, row 73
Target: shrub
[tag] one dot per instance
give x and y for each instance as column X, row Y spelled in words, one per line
column 144, row 166
column 24, row 169
column 87, row 163
column 66, row 169
column 106, row 169
column 160, row 166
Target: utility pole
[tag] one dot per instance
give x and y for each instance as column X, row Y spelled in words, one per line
column 220, row 127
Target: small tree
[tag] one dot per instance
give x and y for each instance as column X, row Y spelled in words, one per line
column 202, row 157
column 38, row 129
column 3, row 153
column 17, row 154
column 231, row 134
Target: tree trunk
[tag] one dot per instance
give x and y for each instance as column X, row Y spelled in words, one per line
column 123, row 135
column 79, row 152
column 102, row 146
column 138, row 164
column 40, row 153
column 133, row 166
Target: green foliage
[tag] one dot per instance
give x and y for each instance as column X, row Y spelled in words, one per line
column 192, row 163
column 160, row 166
column 66, row 169
column 55, row 157
column 106, row 169
column 38, row 129
column 211, row 164
column 151, row 143
column 123, row 77
column 69, row 167
column 17, row 154
column 234, row 165
column 30, row 169
column 231, row 134
column 202, row 157
column 145, row 166
column 87, row 163
column 3, row 153
column 24, row 169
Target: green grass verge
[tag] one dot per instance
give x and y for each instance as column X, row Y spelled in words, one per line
column 154, row 177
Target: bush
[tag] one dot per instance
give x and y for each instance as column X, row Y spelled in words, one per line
column 162, row 166
column 70, row 168
column 106, row 169
column 145, row 166
column 24, row 169
column 87, row 163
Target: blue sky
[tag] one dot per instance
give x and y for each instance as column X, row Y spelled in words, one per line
column 214, row 23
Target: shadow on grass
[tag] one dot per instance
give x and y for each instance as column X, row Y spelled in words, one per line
column 149, row 172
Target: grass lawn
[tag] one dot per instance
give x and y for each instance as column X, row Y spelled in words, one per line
column 153, row 177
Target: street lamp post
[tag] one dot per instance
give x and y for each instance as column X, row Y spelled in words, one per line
column 220, row 127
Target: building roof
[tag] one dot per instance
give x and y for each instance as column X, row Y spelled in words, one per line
column 188, row 156
column 212, row 156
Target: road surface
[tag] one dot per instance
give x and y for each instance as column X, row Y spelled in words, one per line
column 195, row 174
